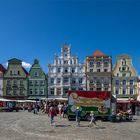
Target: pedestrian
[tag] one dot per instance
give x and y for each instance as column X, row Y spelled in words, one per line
column 78, row 116
column 51, row 115
column 60, row 107
column 92, row 115
column 35, row 108
column 65, row 107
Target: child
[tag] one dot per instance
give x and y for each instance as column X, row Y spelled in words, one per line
column 92, row 115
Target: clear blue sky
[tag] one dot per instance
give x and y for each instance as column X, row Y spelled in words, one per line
column 38, row 28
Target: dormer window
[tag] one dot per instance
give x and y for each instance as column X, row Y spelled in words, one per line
column 36, row 74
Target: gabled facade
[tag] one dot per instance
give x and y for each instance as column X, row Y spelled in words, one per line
column 37, row 82
column 99, row 72
column 66, row 73
column 124, row 78
column 15, row 80
column 2, row 71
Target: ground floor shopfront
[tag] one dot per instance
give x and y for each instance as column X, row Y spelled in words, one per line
column 126, row 104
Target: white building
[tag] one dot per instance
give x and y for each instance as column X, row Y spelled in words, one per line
column 66, row 73
column 2, row 70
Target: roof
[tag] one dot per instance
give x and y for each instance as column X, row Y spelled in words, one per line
column 98, row 53
column 2, row 69
column 14, row 60
column 25, row 70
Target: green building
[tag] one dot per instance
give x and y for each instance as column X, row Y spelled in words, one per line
column 15, row 80
column 37, row 84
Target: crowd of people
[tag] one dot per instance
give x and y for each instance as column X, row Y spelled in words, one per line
column 55, row 108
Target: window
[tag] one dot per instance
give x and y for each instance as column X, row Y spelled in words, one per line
column 91, row 70
column 73, row 80
column 8, row 82
column 65, row 90
column 80, row 80
column 11, row 73
column 124, row 91
column 18, row 72
column 65, row 61
column 74, row 61
column 98, row 89
column 56, row 62
column 91, row 63
column 31, row 91
column 21, row 91
column 21, row 82
column 91, row 89
column 36, row 74
column 105, row 64
column 66, row 80
column 42, row 82
column 105, row 70
column 117, row 91
column 41, row 91
column 73, row 88
column 124, row 74
column 8, row 92
column 52, row 91
column 36, row 83
column 131, row 91
column 124, row 82
column 58, row 80
column 91, row 81
column 31, row 83
column 117, row 74
column 73, row 70
column 58, row 91
column 119, row 68
column 98, row 64
column 106, row 89
column 117, row 82
column 14, row 92
column 131, row 82
column 36, row 91
column 59, row 70
column 15, row 82
column 66, row 70
column 123, row 68
column 52, row 80
column 98, row 70
column 80, row 89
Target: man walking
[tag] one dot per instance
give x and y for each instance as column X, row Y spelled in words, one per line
column 78, row 116
column 51, row 115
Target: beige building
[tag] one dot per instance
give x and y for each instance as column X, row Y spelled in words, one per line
column 98, row 72
column 125, row 83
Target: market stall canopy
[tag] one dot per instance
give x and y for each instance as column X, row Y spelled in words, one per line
column 124, row 100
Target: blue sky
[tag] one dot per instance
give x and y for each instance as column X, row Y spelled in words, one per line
column 38, row 28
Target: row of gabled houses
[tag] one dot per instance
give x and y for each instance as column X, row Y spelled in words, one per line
column 17, row 83
column 66, row 73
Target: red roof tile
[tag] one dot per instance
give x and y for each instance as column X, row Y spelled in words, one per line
column 98, row 53
column 2, row 69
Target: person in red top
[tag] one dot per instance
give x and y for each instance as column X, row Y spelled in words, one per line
column 51, row 115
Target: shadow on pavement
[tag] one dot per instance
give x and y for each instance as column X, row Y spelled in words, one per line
column 63, row 125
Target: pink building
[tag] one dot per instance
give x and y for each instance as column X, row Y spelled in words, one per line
column 138, row 100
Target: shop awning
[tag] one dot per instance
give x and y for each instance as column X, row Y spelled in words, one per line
column 125, row 100
column 34, row 98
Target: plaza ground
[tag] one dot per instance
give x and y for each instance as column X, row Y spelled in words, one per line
column 27, row 126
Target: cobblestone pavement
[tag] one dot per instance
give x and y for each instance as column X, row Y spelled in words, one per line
column 27, row 126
